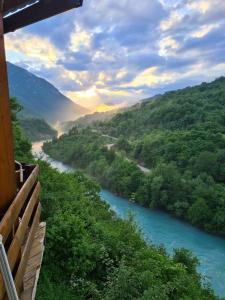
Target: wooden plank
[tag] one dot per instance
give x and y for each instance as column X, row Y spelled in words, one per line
column 12, row 213
column 27, row 295
column 20, row 233
column 34, row 265
column 34, row 261
column 7, row 172
column 35, row 250
column 25, row 255
column 28, row 280
column 42, row 10
column 18, row 239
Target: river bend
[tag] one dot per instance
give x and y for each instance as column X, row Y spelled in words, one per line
column 161, row 229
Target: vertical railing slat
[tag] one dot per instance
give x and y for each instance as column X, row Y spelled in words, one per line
column 25, row 255
column 22, row 207
column 18, row 239
column 12, row 213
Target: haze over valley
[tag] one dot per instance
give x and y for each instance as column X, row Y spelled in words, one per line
column 122, row 106
column 41, row 99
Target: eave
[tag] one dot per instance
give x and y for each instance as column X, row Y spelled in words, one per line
column 20, row 13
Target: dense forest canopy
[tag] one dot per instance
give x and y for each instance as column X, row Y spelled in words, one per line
column 179, row 136
column 92, row 254
column 37, row 129
column 34, row 129
column 89, row 119
column 193, row 107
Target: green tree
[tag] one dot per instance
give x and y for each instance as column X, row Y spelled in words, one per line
column 186, row 258
column 199, row 213
column 206, row 163
column 123, row 144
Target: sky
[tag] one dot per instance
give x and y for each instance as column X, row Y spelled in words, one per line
column 110, row 54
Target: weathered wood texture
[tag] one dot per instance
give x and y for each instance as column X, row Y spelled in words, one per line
column 7, row 173
column 18, row 239
column 26, row 251
column 12, row 213
column 34, row 265
column 18, row 228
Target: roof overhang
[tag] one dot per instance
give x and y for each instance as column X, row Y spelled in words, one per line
column 20, row 13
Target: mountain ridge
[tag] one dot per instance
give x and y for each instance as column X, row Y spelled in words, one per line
column 40, row 98
column 91, row 119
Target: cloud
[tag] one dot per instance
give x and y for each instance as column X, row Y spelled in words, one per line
column 168, row 46
column 201, row 6
column 76, row 61
column 118, row 52
column 173, row 19
column 203, row 30
column 32, row 47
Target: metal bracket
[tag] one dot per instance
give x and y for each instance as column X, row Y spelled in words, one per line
column 21, row 170
column 7, row 274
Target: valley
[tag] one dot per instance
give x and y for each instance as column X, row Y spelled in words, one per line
column 179, row 136
column 161, row 229
column 111, row 159
column 37, row 129
column 173, row 165
column 101, row 243
column 112, row 150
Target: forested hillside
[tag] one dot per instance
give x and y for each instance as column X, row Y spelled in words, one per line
column 37, row 129
column 199, row 107
column 89, row 119
column 39, row 98
column 179, row 136
column 91, row 254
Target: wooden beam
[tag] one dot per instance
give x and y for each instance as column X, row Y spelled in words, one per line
column 42, row 10
column 10, row 5
column 7, row 168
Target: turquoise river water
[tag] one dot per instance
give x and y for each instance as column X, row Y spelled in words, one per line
column 161, row 229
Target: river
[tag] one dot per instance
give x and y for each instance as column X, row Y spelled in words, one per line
column 161, row 229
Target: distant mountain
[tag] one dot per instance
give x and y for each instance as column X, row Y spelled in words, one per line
column 90, row 119
column 39, row 98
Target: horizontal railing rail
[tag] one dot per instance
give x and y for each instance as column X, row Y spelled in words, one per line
column 18, row 227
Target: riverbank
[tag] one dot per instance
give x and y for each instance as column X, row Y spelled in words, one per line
column 161, row 188
column 162, row 229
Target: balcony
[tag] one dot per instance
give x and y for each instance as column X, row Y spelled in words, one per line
column 23, row 234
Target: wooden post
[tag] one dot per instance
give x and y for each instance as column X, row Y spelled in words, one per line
column 7, row 168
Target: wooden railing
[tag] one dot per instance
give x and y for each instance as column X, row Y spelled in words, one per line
column 18, row 227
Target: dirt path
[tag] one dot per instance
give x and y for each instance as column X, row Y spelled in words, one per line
column 109, row 147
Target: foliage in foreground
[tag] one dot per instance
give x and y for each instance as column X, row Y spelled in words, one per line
column 91, row 254
column 95, row 255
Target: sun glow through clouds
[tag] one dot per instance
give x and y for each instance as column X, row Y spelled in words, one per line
column 118, row 53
